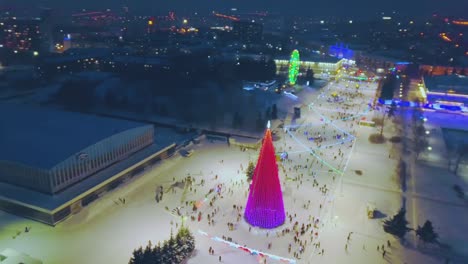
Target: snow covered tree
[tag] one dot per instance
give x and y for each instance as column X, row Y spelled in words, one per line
column 397, row 225
column 156, row 254
column 166, row 253
column 185, row 241
column 137, row 257
column 173, row 251
column 426, row 233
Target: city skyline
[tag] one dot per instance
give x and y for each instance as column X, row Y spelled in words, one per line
column 359, row 8
column 229, row 131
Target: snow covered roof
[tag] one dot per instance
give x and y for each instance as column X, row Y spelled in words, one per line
column 443, row 84
column 311, row 57
column 42, row 138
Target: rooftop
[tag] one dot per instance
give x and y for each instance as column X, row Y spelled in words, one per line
column 42, row 138
column 457, row 84
column 311, row 57
column 52, row 202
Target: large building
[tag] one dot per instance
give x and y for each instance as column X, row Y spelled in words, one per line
column 49, row 151
column 20, row 35
column 446, row 92
column 247, row 31
column 319, row 64
column 53, row 163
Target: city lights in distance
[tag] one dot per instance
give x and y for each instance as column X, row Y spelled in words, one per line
column 445, row 37
column 460, row 22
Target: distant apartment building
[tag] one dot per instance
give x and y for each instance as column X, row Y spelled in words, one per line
column 20, row 34
column 247, row 31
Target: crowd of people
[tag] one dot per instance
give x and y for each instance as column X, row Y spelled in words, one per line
column 303, row 222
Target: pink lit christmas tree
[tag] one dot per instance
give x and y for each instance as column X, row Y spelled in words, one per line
column 265, row 206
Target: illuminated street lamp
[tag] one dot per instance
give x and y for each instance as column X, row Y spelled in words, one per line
column 429, row 148
column 35, row 53
column 427, row 132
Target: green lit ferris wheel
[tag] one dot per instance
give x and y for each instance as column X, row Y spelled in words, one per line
column 294, row 67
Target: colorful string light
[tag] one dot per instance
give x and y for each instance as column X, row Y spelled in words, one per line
column 248, row 250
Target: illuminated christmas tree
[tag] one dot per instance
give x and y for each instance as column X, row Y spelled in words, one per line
column 265, row 206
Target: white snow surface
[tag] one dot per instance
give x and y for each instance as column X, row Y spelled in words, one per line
column 107, row 231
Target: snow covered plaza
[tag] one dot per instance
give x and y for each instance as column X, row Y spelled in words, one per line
column 331, row 172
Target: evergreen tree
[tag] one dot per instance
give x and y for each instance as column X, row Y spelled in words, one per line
column 397, row 225
column 268, row 113
column 274, row 112
column 310, row 76
column 392, row 110
column 156, row 254
column 426, row 233
column 190, row 242
column 137, row 257
column 173, row 251
column 165, row 253
column 148, row 253
column 260, row 122
column 236, row 120
column 186, row 240
column 250, row 171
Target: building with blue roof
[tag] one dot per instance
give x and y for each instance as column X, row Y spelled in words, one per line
column 48, row 150
column 449, row 92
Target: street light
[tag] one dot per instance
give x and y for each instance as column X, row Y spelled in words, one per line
column 429, row 148
column 427, row 132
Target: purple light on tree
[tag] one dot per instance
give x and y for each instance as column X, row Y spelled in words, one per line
column 265, row 207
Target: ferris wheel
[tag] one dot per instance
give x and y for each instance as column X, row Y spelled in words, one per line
column 294, row 63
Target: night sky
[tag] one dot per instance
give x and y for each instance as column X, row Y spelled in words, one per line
column 365, row 8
